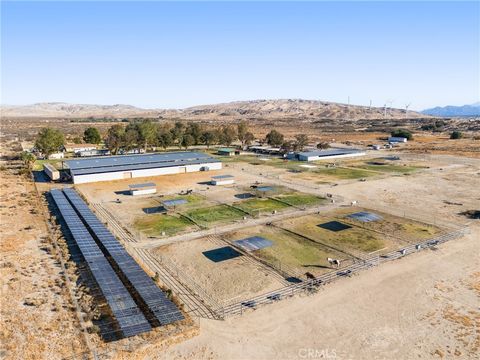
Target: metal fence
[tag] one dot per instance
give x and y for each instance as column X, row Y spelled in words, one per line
column 313, row 284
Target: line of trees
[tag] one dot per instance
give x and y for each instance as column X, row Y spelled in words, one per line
column 146, row 134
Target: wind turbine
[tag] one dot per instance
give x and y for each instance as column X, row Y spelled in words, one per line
column 406, row 109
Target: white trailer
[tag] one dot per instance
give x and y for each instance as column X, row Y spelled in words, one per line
column 329, row 154
column 397, row 139
column 142, row 189
column 223, row 180
column 51, row 171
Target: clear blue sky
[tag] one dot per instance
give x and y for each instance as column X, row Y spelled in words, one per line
column 164, row 54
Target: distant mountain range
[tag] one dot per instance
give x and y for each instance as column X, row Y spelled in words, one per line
column 453, row 111
column 295, row 109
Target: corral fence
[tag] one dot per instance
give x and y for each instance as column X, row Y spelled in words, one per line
column 312, row 285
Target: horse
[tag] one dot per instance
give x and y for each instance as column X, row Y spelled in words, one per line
column 309, row 275
column 334, row 262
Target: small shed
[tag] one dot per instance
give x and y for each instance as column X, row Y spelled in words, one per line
column 227, row 151
column 397, row 139
column 56, row 156
column 51, row 171
column 142, row 189
column 223, row 180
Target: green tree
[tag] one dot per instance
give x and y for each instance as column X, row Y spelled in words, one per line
column 288, row 146
column 115, row 138
column 323, row 145
column 28, row 159
column 209, row 138
column 228, row 135
column 274, row 138
column 177, row 132
column 456, row 135
column 402, row 133
column 147, row 133
column 248, row 138
column 301, row 140
column 49, row 141
column 165, row 139
column 130, row 139
column 194, row 130
column 187, row 140
column 91, row 135
column 242, row 131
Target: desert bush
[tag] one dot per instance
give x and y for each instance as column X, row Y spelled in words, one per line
column 456, row 135
column 402, row 133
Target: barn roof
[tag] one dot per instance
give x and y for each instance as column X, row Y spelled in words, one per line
column 136, row 162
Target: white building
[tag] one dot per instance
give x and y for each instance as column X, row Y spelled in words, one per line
column 56, row 156
column 396, row 139
column 142, row 189
column 109, row 168
column 223, row 180
column 329, row 154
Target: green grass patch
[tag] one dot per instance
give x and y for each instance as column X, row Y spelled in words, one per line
column 38, row 165
column 193, row 201
column 298, row 199
column 214, row 214
column 254, row 206
column 419, row 231
column 354, row 238
column 388, row 168
column 294, row 251
column 343, row 173
column 153, row 225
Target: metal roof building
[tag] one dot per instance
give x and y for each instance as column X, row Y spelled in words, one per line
column 134, row 166
column 223, row 180
column 329, row 154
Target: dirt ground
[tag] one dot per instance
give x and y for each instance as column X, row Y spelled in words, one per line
column 422, row 306
column 226, row 281
column 37, row 316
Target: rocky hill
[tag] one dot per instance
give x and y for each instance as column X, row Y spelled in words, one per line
column 248, row 110
column 454, row 111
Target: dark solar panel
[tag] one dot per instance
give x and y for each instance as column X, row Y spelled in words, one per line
column 164, row 310
column 364, row 216
column 141, row 186
column 222, row 177
column 174, row 202
column 129, row 317
column 253, row 243
column 133, row 162
column 265, row 188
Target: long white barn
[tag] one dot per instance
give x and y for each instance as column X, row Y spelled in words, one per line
column 109, row 168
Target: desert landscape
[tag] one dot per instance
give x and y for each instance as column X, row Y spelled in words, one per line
column 424, row 304
column 240, row 180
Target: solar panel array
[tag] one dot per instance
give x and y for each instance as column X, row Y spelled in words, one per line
column 129, row 317
column 135, row 162
column 164, row 310
column 222, row 177
column 365, row 216
column 253, row 243
column 265, row 188
column 174, row 202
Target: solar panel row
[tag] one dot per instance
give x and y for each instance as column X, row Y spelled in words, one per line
column 129, row 317
column 365, row 216
column 164, row 310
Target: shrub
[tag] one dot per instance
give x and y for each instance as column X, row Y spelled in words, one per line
column 402, row 133
column 456, row 135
